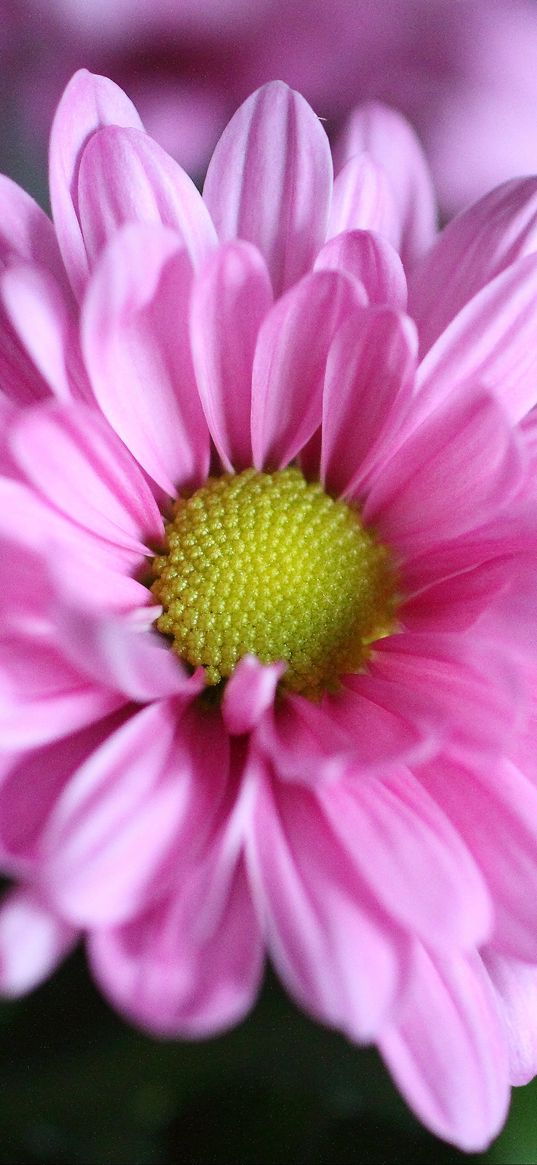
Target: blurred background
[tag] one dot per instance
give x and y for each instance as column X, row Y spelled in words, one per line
column 78, row 1085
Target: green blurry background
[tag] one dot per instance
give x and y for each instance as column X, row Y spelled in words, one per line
column 80, row 1086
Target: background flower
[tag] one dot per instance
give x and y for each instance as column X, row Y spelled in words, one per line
column 464, row 72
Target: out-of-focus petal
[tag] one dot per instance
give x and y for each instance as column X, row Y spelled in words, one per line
column 191, row 966
column 123, row 827
column 495, row 810
column 363, row 199
column 32, row 942
column 393, row 144
column 249, row 692
column 471, row 251
column 447, row 1051
column 516, row 987
column 490, row 341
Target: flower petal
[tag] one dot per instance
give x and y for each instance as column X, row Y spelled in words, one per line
column 372, row 260
column 472, row 250
column 447, row 1051
column 393, row 144
column 464, row 450
column 124, row 176
column 46, row 770
column 129, row 818
column 516, row 987
column 495, row 811
column 192, row 965
column 249, row 692
column 26, row 233
column 368, row 387
column 32, row 942
column 363, row 199
column 78, row 464
column 137, row 350
column 42, row 320
column 88, row 102
column 490, row 341
column 410, row 856
column 270, row 179
column 230, row 298
column 330, row 943
column 290, row 360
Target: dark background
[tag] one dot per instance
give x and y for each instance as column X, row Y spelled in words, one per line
column 79, row 1087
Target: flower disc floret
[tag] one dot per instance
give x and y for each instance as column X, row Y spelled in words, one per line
column 269, row 564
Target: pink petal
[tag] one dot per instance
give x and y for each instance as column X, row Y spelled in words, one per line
column 410, row 856
column 26, row 233
column 20, row 381
column 466, row 450
column 363, row 199
column 249, row 692
column 124, row 653
column 124, row 176
column 192, row 965
column 465, row 692
column 45, row 771
column 457, row 601
column 78, row 464
column 330, row 943
column 516, row 986
column 290, row 360
column 42, row 696
column 372, row 260
column 490, row 341
column 495, row 811
column 368, row 387
column 269, row 181
column 32, row 942
column 88, row 102
column 447, row 1051
column 472, row 250
column 392, row 143
column 132, row 814
column 45, row 544
column 314, row 743
column 137, row 350
column 230, row 298
column 42, row 320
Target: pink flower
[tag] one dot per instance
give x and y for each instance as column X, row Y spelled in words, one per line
column 464, row 73
column 334, row 765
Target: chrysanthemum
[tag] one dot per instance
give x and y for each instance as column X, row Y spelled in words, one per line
column 265, row 592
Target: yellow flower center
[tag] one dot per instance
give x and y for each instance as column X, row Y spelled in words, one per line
column 268, row 564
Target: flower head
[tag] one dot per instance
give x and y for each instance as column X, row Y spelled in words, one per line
column 266, row 590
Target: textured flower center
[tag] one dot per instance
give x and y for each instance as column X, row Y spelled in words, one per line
column 268, row 564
